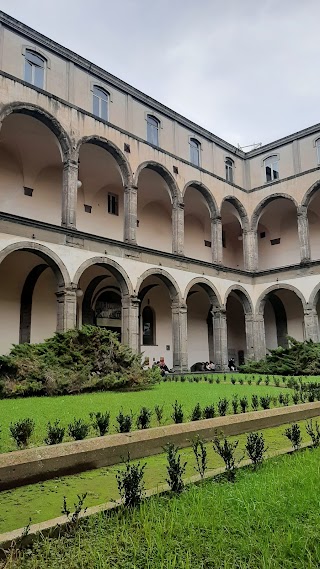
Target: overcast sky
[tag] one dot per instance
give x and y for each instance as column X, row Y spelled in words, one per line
column 246, row 70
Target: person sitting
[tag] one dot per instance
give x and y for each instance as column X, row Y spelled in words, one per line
column 164, row 370
column 211, row 366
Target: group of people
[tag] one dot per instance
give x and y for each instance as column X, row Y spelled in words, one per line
column 199, row 366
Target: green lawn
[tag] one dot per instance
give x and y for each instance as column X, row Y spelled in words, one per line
column 267, row 519
column 44, row 500
column 44, row 409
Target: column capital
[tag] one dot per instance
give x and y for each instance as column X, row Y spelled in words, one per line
column 70, row 163
column 216, row 218
column 177, row 204
column 130, row 301
column 216, row 311
column 130, row 189
column 178, row 306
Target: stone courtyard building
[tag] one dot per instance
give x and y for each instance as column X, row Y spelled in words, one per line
column 119, row 212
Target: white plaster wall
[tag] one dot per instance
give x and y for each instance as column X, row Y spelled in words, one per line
column 294, row 313
column 44, row 307
column 278, row 219
column 270, row 327
column 308, row 152
column 257, row 169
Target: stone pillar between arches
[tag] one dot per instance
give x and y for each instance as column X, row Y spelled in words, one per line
column 130, row 214
column 179, row 336
column 130, row 322
column 69, row 194
column 66, row 309
column 178, row 228
column 220, row 339
column 311, row 325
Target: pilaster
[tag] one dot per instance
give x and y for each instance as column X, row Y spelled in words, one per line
column 179, row 336
column 130, row 214
column 66, row 309
column 311, row 325
column 178, row 228
column 130, row 322
column 303, row 232
column 69, row 194
column 250, row 250
column 216, row 240
column 220, row 339
column 255, row 336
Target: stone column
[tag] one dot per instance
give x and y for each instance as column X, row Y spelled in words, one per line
column 255, row 336
column 66, row 309
column 220, row 339
column 179, row 336
column 311, row 325
column 303, row 232
column 216, row 239
column 178, row 228
column 130, row 322
column 250, row 250
column 69, row 194
column 130, row 214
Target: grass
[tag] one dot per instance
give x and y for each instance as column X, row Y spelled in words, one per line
column 268, row 519
column 66, row 408
column 43, row 501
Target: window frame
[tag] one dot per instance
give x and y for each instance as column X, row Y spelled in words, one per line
column 229, row 167
column 111, row 197
column 195, row 144
column 317, row 146
column 269, row 162
column 107, row 100
column 156, row 126
column 33, row 65
column 153, row 318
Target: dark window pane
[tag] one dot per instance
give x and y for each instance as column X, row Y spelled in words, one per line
column 268, row 174
column 104, row 110
column 28, row 72
column 38, row 77
column 33, row 58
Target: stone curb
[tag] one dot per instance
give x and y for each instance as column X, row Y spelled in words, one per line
column 43, row 463
column 58, row 525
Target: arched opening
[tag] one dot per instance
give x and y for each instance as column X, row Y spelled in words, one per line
column 283, row 316
column 100, row 304
column 236, row 327
column 156, row 293
column 31, row 165
column 232, row 235
column 154, row 224
column 200, row 301
column 313, row 222
column 28, row 285
column 277, row 233
column 197, row 224
column 100, row 206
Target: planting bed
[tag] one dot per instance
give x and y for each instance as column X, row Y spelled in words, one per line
column 266, row 519
column 66, row 408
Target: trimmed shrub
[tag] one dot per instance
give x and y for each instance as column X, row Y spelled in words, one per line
column 244, row 404
column 144, row 418
column 174, row 468
column 124, row 422
column 200, row 453
column 293, row 433
column 209, row 411
column 255, row 402
column 158, row 409
column 177, row 412
column 313, row 432
column 218, row 380
column 223, row 405
column 233, row 380
column 21, row 431
column 130, row 483
column 55, row 433
column 226, row 450
column 100, row 422
column 241, row 381
column 235, row 404
column 255, row 448
column 265, row 401
column 296, row 397
column 78, row 430
column 196, row 414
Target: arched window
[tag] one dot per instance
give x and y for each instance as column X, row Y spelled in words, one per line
column 34, row 69
column 229, row 169
column 271, row 166
column 148, row 327
column 194, row 152
column 152, row 130
column 100, row 103
column 318, row 150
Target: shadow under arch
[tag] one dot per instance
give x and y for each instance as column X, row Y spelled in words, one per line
column 115, row 269
column 261, row 205
column 208, row 287
column 166, row 278
column 50, row 257
column 206, row 194
column 240, row 209
column 115, row 152
column 43, row 116
column 242, row 295
column 260, row 304
column 309, row 194
column 174, row 191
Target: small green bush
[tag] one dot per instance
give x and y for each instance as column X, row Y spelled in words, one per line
column 174, row 468
column 144, row 418
column 235, row 404
column 243, row 404
column 217, row 380
column 223, row 405
column 130, row 483
column 55, row 433
column 196, row 414
column 200, row 453
column 265, row 401
column 226, row 450
column 233, row 380
column 293, row 433
column 313, row 432
column 296, row 397
column 21, row 431
column 100, row 422
column 241, row 381
column 158, row 409
column 249, row 381
column 124, row 422
column 255, row 448
column 177, row 412
column 78, row 430
column 255, row 402
column 209, row 411
column 211, row 380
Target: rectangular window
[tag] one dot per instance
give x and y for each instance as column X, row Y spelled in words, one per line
column 275, row 241
column 224, row 239
column 113, row 204
column 207, row 243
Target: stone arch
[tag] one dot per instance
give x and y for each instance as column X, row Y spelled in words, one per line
column 243, row 296
column 207, row 195
column 55, row 263
column 115, row 152
column 174, row 191
column 314, row 296
column 309, row 194
column 166, row 278
column 264, row 202
column 240, row 209
column 43, row 116
column 87, row 312
column 115, row 269
column 210, row 289
column 260, row 304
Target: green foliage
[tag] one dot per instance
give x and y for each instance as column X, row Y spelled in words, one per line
column 100, row 422
column 313, row 432
column 174, row 468
column 55, row 433
column 130, row 483
column 255, row 448
column 158, row 409
column 226, row 450
column 223, row 405
column 299, row 358
column 208, row 411
column 78, row 508
column 265, row 401
column 124, row 422
column 293, row 433
column 144, row 418
column 78, row 430
column 21, row 431
column 235, row 404
column 196, row 414
column 177, row 412
column 90, row 359
column 200, row 453
column 244, row 404
column 255, row 402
